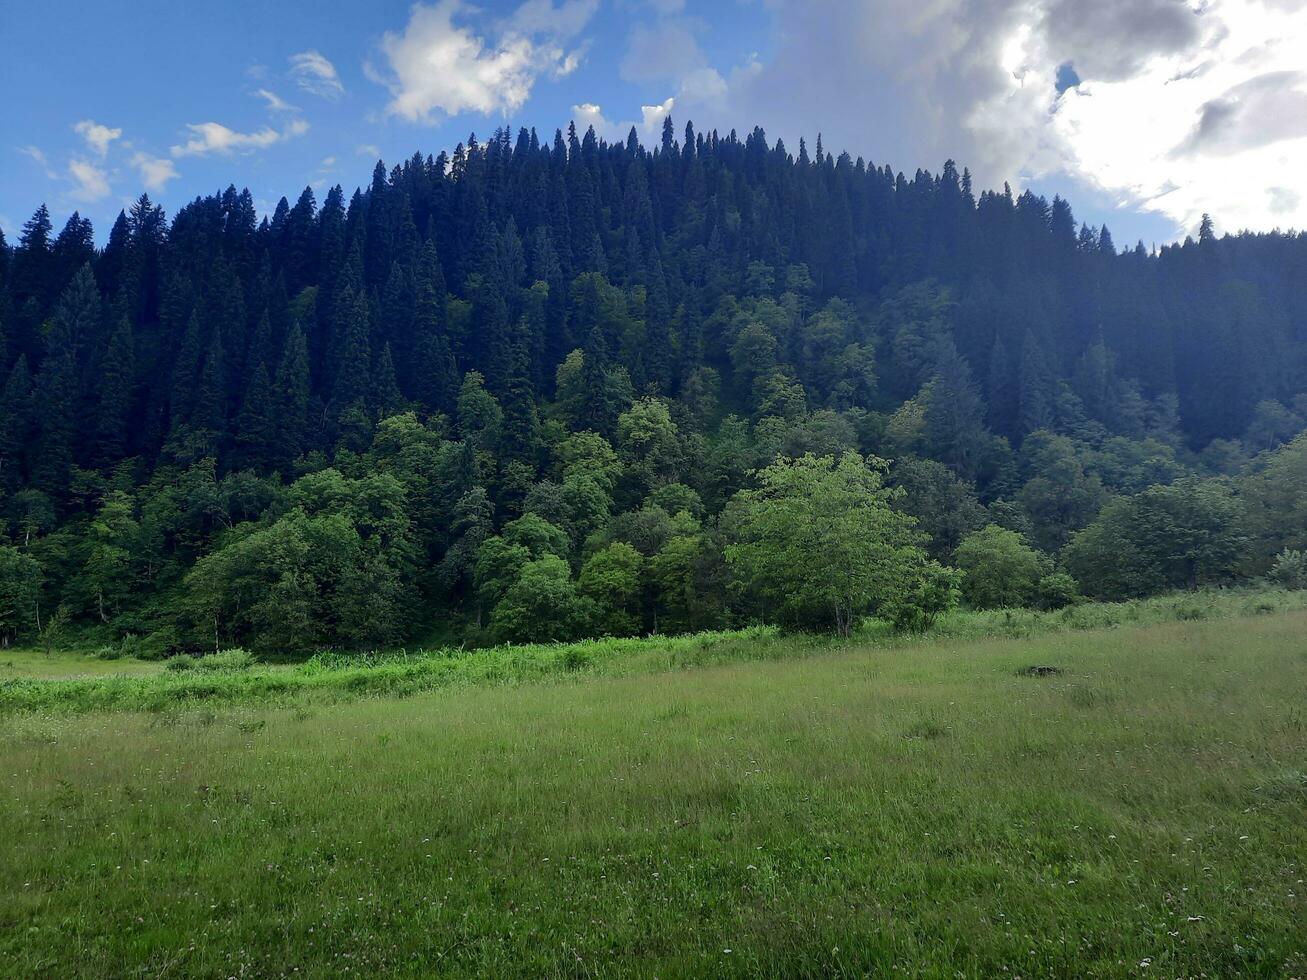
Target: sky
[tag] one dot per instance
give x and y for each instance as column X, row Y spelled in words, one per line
column 1143, row 113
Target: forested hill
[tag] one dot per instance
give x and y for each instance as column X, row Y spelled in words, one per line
column 605, row 338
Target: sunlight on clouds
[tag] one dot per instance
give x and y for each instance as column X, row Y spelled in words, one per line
column 649, row 127
column 90, row 183
column 1144, row 138
column 155, row 172
column 212, row 137
column 97, row 136
column 439, row 67
column 1166, row 106
column 315, row 74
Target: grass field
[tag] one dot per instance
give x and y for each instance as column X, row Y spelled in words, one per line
column 923, row 809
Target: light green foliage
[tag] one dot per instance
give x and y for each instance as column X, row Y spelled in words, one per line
column 502, row 559
column 1059, row 496
column 108, row 576
column 1290, row 569
column 1057, row 590
column 611, row 578
column 591, row 455
column 818, row 541
column 1275, row 496
column 647, row 438
column 929, row 593
column 542, row 605
column 779, row 394
column 337, row 569
column 1000, row 568
column 675, row 498
column 480, row 417
column 20, row 589
column 569, row 385
column 232, row 659
column 836, row 360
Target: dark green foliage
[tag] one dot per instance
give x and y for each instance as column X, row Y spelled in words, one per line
column 1182, row 536
column 560, row 364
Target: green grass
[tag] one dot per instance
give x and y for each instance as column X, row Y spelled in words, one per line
column 921, row 808
column 124, row 684
column 25, row 663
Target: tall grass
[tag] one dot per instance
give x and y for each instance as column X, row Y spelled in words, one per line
column 868, row 810
column 234, row 677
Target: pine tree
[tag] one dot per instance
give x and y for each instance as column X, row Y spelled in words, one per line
column 205, row 431
column 291, row 401
column 76, row 316
column 955, row 415
column 117, row 377
column 256, row 425
column 386, row 399
column 353, row 374
column 1038, row 403
column 16, row 421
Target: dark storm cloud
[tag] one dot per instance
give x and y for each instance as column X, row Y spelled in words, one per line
column 1263, row 110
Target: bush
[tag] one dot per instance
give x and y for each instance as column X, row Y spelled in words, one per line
column 1001, row 569
column 179, row 662
column 154, row 646
column 233, row 659
column 1290, row 569
column 934, row 592
column 1057, row 590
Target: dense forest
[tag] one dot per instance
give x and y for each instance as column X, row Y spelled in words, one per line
column 544, row 390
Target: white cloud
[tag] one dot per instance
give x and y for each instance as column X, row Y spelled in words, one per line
column 212, row 137
column 39, row 157
column 155, row 172
column 368, row 150
column 1183, row 106
column 438, row 67
column 90, row 183
column 275, row 102
column 563, row 22
column 315, row 74
column 1212, row 142
column 97, row 136
column 649, row 127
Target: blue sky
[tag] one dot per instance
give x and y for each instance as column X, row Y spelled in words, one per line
column 1179, row 108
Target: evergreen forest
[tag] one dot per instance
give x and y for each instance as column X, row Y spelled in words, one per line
column 546, row 389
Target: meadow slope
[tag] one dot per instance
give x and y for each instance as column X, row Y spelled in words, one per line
column 926, row 809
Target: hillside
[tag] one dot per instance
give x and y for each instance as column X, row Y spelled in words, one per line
column 546, row 354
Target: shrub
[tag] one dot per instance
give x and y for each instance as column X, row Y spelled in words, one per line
column 1057, row 590
column 1290, row 569
column 154, row 646
column 1001, row 569
column 935, row 591
column 233, row 659
column 179, row 662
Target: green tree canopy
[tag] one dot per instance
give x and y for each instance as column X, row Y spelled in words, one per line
column 817, row 540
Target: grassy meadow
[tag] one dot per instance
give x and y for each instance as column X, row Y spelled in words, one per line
column 742, row 804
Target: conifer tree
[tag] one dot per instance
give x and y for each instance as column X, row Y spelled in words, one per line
column 117, row 376
column 291, row 401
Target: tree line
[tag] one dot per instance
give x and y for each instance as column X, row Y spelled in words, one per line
column 537, row 390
